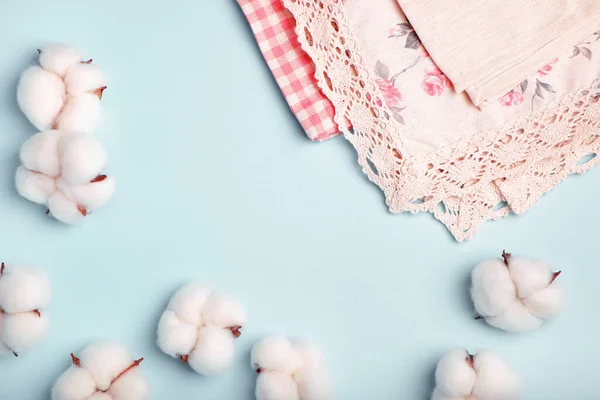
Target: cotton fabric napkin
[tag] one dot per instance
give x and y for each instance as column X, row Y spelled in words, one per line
column 487, row 47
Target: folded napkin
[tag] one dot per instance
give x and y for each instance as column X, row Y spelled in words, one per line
column 273, row 26
column 487, row 47
column 425, row 144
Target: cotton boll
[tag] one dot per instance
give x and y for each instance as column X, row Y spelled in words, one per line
column 64, row 210
column 34, row 186
column 104, row 361
column 275, row 353
column 82, row 158
column 90, row 196
column 24, row 294
column 515, row 318
column 39, row 153
column 313, row 379
column 100, row 396
column 74, row 384
column 83, row 77
column 495, row 379
column 22, row 331
column 547, row 303
column 105, row 371
column 290, row 371
column 175, row 337
column 196, row 328
column 454, row 375
column 41, row 95
column 58, row 58
column 516, row 294
column 81, row 114
column 529, row 276
column 461, row 376
column 224, row 311
column 23, row 288
column 273, row 385
column 213, row 352
column 492, row 290
column 62, row 171
column 188, row 302
column 131, row 385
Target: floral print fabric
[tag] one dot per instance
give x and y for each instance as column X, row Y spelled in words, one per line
column 422, row 99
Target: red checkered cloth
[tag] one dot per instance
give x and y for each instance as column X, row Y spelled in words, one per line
column 294, row 71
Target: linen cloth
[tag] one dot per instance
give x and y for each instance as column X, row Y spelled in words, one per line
column 486, row 47
column 428, row 147
column 274, row 29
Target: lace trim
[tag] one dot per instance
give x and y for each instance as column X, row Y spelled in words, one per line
column 479, row 178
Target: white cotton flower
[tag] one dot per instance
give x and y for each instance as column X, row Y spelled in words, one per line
column 199, row 327
column 63, row 172
column 63, row 92
column 24, row 296
column 103, row 371
column 462, row 376
column 516, row 294
column 290, row 371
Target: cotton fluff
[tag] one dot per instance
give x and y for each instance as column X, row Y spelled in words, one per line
column 516, row 294
column 462, row 376
column 63, row 92
column 199, row 327
column 290, row 371
column 63, row 172
column 24, row 296
column 103, row 371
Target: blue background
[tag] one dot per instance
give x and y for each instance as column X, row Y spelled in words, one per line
column 217, row 182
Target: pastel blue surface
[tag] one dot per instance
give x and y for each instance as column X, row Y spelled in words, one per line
column 216, row 182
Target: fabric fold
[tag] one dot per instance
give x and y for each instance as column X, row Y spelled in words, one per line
column 273, row 27
column 487, row 47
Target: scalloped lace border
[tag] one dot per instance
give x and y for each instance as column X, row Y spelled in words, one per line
column 479, row 178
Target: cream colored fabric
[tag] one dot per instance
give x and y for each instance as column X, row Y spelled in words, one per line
column 487, row 47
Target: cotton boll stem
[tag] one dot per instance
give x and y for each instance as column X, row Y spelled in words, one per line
column 126, row 370
column 98, row 92
column 99, row 178
column 471, row 360
column 75, row 360
column 134, row 364
column 184, row 358
column 506, row 257
column 82, row 210
column 235, row 330
column 554, row 276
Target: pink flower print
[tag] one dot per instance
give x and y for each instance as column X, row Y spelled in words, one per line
column 435, row 82
column 512, row 98
column 391, row 94
column 545, row 70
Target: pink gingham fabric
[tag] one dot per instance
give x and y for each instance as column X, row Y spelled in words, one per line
column 294, row 71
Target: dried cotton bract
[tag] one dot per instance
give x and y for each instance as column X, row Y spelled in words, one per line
column 63, row 92
column 24, row 295
column 63, row 172
column 516, row 294
column 103, row 371
column 462, row 376
column 290, row 371
column 199, row 327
